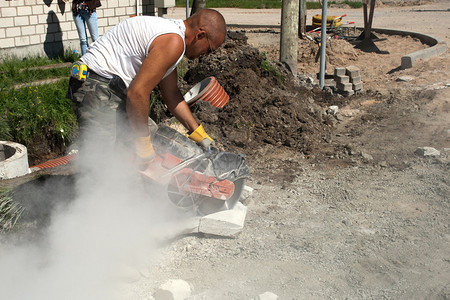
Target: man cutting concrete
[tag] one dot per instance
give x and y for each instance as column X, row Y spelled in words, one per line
column 111, row 85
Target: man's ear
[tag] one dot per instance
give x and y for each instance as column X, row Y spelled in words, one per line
column 201, row 34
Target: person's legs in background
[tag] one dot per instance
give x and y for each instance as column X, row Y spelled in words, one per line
column 81, row 28
column 81, row 20
column 91, row 21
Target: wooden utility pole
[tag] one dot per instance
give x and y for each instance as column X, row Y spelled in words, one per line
column 302, row 19
column 197, row 5
column 289, row 34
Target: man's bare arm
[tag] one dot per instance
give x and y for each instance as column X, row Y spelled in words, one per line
column 175, row 102
column 163, row 53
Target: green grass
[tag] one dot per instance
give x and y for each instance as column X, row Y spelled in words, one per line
column 35, row 112
column 10, row 212
column 258, row 4
column 268, row 66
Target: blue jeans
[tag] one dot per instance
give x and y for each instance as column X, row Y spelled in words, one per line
column 81, row 19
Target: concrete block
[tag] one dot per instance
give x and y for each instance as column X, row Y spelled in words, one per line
column 246, row 193
column 109, row 12
column 332, row 110
column 13, row 31
column 344, row 87
column 37, row 10
column 174, row 289
column 8, row 12
column 405, row 78
column 4, row 3
column 357, row 86
column 356, row 79
column 7, row 43
column 112, row 21
column 40, row 29
column 339, row 71
column 347, row 93
column 408, row 60
column 112, row 3
column 42, row 19
column 224, row 223
column 22, row 41
column 24, row 10
column 33, row 20
column 13, row 160
column 120, row 11
column 427, row 151
column 267, row 296
column 6, row 22
column 28, row 30
column 35, row 39
column 21, row 21
column 352, row 71
column 342, row 79
column 190, row 225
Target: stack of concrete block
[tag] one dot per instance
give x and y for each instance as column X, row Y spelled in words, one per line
column 348, row 80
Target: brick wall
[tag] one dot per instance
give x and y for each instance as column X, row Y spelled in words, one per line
column 38, row 27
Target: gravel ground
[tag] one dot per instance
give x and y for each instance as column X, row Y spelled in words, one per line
column 374, row 225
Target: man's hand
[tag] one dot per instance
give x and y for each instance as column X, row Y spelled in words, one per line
column 201, row 138
column 144, row 152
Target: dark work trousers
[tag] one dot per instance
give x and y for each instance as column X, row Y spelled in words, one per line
column 100, row 107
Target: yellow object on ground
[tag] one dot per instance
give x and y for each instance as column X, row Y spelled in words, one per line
column 317, row 21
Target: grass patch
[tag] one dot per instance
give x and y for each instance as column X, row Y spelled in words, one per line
column 36, row 113
column 33, row 112
column 10, row 212
column 268, row 66
column 18, row 71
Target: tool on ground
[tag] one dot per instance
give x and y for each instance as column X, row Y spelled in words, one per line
column 203, row 181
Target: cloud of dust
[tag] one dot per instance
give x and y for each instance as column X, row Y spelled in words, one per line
column 98, row 242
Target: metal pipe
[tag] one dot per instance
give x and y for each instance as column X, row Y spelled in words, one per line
column 323, row 41
column 187, row 9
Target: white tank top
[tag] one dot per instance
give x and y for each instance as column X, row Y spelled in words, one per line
column 123, row 48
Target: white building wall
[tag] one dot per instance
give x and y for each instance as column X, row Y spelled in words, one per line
column 46, row 27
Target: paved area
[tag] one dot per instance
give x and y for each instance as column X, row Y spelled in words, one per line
column 428, row 19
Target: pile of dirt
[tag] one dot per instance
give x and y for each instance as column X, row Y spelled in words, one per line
column 266, row 106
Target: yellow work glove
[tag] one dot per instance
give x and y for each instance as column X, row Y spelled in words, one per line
column 201, row 137
column 144, row 151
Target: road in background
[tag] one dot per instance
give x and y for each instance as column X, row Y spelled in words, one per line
column 429, row 19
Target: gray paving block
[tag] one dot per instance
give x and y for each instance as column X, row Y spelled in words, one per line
column 339, row 71
column 356, row 79
column 347, row 93
column 352, row 71
column 342, row 79
column 344, row 87
column 408, row 60
column 357, row 86
column 224, row 223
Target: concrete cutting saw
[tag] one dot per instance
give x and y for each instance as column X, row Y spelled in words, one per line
column 204, row 181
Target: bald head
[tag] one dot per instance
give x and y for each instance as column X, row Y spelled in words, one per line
column 211, row 21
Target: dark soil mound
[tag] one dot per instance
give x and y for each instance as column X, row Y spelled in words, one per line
column 265, row 106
